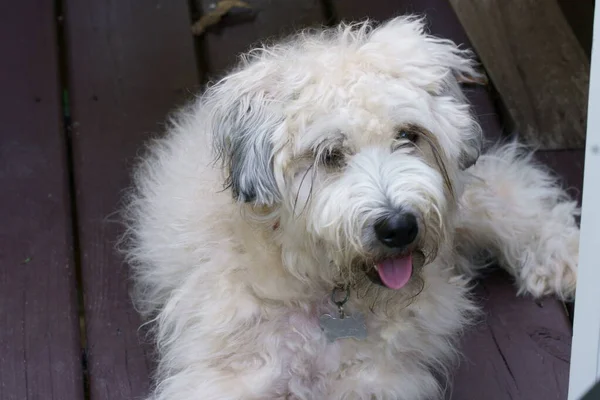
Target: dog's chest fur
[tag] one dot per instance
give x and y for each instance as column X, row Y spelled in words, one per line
column 289, row 346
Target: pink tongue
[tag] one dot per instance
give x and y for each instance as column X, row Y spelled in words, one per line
column 396, row 272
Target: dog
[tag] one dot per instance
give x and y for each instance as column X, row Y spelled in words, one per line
column 310, row 225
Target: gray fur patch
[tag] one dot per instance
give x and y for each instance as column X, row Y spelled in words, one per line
column 243, row 132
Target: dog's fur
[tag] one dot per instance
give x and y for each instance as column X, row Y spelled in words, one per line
column 306, row 132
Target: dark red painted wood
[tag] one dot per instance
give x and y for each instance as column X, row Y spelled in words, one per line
column 272, row 18
column 519, row 350
column 40, row 355
column 130, row 62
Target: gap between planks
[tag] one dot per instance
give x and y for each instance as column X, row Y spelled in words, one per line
column 63, row 80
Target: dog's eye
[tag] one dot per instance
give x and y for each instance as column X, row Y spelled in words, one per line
column 407, row 134
column 333, row 158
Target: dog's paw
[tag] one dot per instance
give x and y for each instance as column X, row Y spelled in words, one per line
column 552, row 269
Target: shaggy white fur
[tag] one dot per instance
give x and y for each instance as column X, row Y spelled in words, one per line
column 319, row 138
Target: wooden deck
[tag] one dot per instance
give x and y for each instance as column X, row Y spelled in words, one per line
column 84, row 84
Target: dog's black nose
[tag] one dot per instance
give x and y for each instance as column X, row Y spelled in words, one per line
column 397, row 230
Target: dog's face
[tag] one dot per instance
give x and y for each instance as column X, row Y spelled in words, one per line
column 356, row 138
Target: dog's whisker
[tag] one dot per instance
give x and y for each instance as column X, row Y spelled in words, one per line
column 300, row 188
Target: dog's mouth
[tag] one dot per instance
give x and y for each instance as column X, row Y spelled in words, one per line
column 395, row 272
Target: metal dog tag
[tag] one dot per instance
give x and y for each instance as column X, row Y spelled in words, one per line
column 342, row 325
column 350, row 326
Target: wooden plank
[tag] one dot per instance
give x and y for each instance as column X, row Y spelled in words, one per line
column 130, row 62
column 536, row 64
column 442, row 22
column 580, row 16
column 40, row 353
column 272, row 19
column 521, row 349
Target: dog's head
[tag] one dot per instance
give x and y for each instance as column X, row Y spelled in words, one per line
column 355, row 137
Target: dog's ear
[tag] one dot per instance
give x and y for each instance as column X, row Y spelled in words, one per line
column 243, row 125
column 461, row 67
column 470, row 153
column 443, row 65
column 472, row 138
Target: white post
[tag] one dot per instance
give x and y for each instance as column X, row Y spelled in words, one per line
column 585, row 353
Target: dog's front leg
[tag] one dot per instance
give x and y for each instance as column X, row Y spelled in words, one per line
column 514, row 209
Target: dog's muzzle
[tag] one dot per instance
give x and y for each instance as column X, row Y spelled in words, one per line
column 396, row 232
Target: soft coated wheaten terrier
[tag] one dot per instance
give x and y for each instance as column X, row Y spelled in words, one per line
column 327, row 253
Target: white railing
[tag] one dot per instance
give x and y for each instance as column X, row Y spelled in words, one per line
column 585, row 354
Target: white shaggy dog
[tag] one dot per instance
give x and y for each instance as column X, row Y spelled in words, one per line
column 347, row 167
